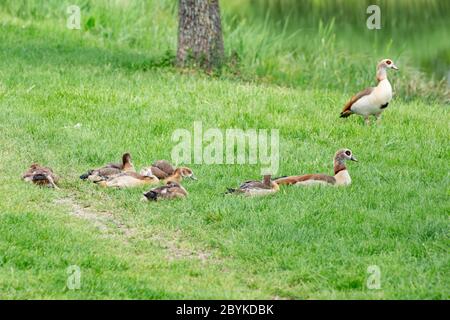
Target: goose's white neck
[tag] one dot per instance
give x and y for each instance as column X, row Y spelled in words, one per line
column 381, row 74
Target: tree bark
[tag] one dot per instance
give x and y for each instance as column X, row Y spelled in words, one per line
column 200, row 33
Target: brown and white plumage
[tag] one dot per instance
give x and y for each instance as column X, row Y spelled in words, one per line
column 373, row 100
column 256, row 188
column 341, row 175
column 162, row 169
column 166, row 173
column 180, row 174
column 172, row 190
column 129, row 179
column 41, row 175
column 110, row 169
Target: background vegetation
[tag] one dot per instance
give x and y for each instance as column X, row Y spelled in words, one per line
column 291, row 65
column 306, row 43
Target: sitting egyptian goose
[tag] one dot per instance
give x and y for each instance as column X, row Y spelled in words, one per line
column 177, row 175
column 256, row 188
column 341, row 176
column 129, row 179
column 172, row 190
column 40, row 175
column 373, row 100
column 110, row 170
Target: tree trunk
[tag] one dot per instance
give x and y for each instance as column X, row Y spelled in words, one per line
column 199, row 33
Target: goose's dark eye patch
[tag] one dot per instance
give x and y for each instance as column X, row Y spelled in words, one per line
column 389, row 62
column 348, row 153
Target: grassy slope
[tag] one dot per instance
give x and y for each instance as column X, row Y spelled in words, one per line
column 302, row 243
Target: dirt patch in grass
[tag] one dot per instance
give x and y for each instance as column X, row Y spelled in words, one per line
column 173, row 243
column 104, row 221
column 178, row 249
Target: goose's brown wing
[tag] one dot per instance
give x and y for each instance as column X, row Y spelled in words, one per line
column 253, row 185
column 45, row 171
column 159, row 173
column 175, row 192
column 295, row 179
column 164, row 166
column 107, row 171
column 347, row 108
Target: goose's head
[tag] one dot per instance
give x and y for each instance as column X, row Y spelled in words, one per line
column 127, row 165
column 344, row 154
column 126, row 158
column 186, row 172
column 387, row 64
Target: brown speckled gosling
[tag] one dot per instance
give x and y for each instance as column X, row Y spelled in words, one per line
column 256, row 188
column 40, row 175
column 171, row 190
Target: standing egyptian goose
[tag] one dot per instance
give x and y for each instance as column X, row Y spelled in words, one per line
column 256, row 188
column 373, row 100
column 110, row 170
column 172, row 190
column 341, row 176
column 129, row 179
column 40, row 175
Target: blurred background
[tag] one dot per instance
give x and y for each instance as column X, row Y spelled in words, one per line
column 306, row 43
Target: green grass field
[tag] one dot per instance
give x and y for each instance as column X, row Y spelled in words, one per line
column 302, row 243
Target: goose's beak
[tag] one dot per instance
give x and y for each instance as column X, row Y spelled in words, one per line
column 394, row 67
column 193, row 177
column 353, row 159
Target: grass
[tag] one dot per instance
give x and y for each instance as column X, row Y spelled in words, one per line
column 299, row 244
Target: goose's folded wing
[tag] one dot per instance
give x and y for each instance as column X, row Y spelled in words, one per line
column 164, row 166
column 253, row 185
column 160, row 174
column 107, row 171
column 160, row 190
column 177, row 191
column 356, row 97
column 295, row 179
